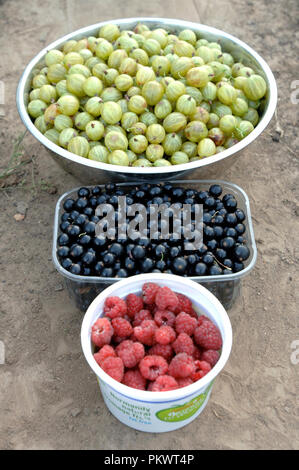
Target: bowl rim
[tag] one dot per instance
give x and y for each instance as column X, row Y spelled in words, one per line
column 272, row 89
column 148, row 396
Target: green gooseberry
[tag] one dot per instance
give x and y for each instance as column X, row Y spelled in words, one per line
column 227, row 94
column 104, row 49
column 220, row 109
column 69, row 46
column 254, row 104
column 174, row 90
column 128, row 67
column 36, row 108
column 206, row 148
column 163, row 109
column 143, row 75
column 54, row 57
column 205, row 53
column 116, row 141
column 93, row 86
column 161, row 65
column 110, row 75
column 79, row 146
column 133, row 91
column 189, row 36
column 92, row 61
column 34, row 94
column 62, row 122
column 153, row 92
column 111, row 94
column 94, row 106
column 227, row 124
column 186, row 105
column 53, row 135
column 66, row 135
column 236, row 67
column 220, row 149
column 110, row 32
column 179, row 158
column 152, row 47
column 180, row 67
column 81, row 69
column 245, row 72
column 39, row 80
column 94, row 130
column 195, row 131
column 189, row 148
column 239, row 107
column 51, row 113
column 243, row 129
column 116, row 58
column 61, row 88
column 142, row 162
column 75, row 83
column 47, row 93
column 155, row 133
column 138, row 128
column 148, row 118
column 209, row 91
column 198, row 76
column 114, row 128
column 132, row 156
column 140, row 56
column 86, row 54
column 137, row 104
column 217, row 136
column 162, row 162
column 98, row 153
column 82, row 119
column 227, row 59
column 124, row 105
column 111, row 112
column 252, row 116
column 128, row 120
column 68, row 105
column 174, row 122
column 172, row 143
column 126, row 43
column 72, row 58
column 41, row 124
column 200, row 114
column 195, row 93
column 255, row 87
column 138, row 144
column 123, row 82
column 99, row 70
column 118, row 157
column 213, row 121
column 154, row 152
column 230, row 142
column 183, row 49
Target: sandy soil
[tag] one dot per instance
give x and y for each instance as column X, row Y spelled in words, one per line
column 49, row 398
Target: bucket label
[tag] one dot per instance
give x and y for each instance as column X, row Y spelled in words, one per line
column 180, row 413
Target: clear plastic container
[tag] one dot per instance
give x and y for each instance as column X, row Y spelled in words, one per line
column 84, row 289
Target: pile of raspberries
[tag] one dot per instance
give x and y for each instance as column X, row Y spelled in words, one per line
column 155, row 341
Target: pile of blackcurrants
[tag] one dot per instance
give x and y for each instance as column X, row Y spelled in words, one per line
column 81, row 252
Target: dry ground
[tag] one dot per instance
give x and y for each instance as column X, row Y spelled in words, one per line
column 49, row 398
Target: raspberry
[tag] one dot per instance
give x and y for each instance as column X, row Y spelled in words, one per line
column 134, row 305
column 164, row 350
column 166, row 299
column 134, row 379
column 149, row 290
column 152, row 366
column 114, row 367
column 184, row 323
column 130, row 353
column 115, row 307
column 197, row 353
column 140, row 316
column 164, row 383
column 184, row 305
column 181, row 365
column 164, row 317
column 101, row 332
column 211, row 356
column 145, row 333
column 183, row 344
column 201, row 319
column 208, row 336
column 184, row 382
column 201, row 369
column 122, row 327
column 105, row 351
column 165, row 335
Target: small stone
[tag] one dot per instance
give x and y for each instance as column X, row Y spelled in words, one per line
column 22, row 207
column 19, row 217
column 76, row 412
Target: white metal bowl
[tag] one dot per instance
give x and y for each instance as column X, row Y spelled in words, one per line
column 92, row 172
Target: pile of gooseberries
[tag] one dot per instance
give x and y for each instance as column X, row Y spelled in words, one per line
column 144, row 98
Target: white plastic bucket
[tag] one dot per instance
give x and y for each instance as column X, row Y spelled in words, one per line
column 158, row 411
